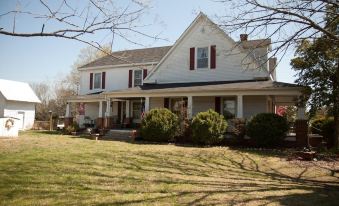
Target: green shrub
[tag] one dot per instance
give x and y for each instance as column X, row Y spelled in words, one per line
column 267, row 129
column 159, row 125
column 326, row 128
column 208, row 127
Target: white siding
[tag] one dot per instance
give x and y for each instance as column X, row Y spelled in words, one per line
column 175, row 68
column 202, row 104
column 116, row 79
column 156, row 102
column 254, row 105
column 13, row 108
column 92, row 110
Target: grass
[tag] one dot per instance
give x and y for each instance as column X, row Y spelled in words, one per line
column 40, row 168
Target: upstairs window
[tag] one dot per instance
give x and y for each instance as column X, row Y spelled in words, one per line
column 97, row 81
column 137, row 78
column 202, row 57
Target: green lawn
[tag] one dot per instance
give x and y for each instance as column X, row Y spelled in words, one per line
column 45, row 169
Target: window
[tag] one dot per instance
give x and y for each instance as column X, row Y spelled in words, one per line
column 202, row 57
column 136, row 110
column 97, row 80
column 179, row 107
column 137, row 77
column 229, row 108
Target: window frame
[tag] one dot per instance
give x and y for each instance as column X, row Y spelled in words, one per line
column 142, row 79
column 208, row 57
column 100, row 80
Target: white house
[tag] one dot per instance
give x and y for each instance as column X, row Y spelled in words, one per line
column 17, row 99
column 204, row 69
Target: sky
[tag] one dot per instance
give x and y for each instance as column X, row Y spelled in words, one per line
column 46, row 59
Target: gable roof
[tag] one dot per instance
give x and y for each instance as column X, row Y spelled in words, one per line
column 195, row 21
column 135, row 56
column 17, row 91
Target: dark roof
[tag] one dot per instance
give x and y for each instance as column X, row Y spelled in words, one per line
column 252, row 44
column 247, row 85
column 135, row 56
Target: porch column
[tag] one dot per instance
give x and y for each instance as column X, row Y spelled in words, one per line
column 240, row 106
column 128, row 109
column 100, row 109
column 146, row 104
column 301, row 113
column 189, row 107
column 68, row 113
column 108, row 108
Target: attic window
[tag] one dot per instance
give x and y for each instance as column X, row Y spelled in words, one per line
column 202, row 57
column 137, row 77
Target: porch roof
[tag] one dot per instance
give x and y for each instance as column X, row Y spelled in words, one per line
column 200, row 87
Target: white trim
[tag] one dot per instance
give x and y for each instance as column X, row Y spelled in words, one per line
column 240, row 111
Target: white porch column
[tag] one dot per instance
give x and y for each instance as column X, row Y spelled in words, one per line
column 146, row 104
column 128, row 109
column 189, row 107
column 240, row 106
column 301, row 113
column 68, row 111
column 108, row 108
column 100, row 109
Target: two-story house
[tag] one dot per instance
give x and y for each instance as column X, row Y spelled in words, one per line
column 204, row 69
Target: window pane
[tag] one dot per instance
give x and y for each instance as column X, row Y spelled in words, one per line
column 202, row 57
column 137, row 77
column 97, row 81
column 136, row 110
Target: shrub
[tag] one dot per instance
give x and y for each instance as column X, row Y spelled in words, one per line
column 328, row 131
column 71, row 128
column 267, row 129
column 208, row 127
column 159, row 125
column 316, row 125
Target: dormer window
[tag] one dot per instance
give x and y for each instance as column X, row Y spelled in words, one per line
column 97, row 81
column 202, row 57
column 137, row 78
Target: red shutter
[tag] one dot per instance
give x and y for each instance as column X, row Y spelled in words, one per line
column 192, row 55
column 217, row 104
column 130, row 76
column 213, row 58
column 91, row 81
column 166, row 103
column 145, row 73
column 103, row 82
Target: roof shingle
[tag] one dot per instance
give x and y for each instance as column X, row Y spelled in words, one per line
column 135, row 56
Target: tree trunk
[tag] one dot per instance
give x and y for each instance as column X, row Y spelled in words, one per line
column 336, row 109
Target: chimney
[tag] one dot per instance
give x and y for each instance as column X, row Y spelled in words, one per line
column 243, row 37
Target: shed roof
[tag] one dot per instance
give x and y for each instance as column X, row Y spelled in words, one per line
column 17, row 91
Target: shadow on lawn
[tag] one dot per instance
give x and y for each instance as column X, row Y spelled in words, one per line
column 236, row 179
column 200, row 177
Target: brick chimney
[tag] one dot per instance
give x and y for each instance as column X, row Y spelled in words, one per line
column 243, row 37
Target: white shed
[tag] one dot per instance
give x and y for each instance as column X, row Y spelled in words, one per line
column 17, row 99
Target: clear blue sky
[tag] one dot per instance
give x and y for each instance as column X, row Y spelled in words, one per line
column 45, row 59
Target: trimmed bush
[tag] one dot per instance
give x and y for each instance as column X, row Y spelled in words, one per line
column 267, row 129
column 316, row 125
column 208, row 128
column 159, row 125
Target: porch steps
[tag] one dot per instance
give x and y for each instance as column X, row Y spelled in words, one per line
column 121, row 135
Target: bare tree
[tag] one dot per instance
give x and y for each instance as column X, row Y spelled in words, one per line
column 79, row 21
column 287, row 22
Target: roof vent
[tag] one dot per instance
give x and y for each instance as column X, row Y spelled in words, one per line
column 243, row 37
